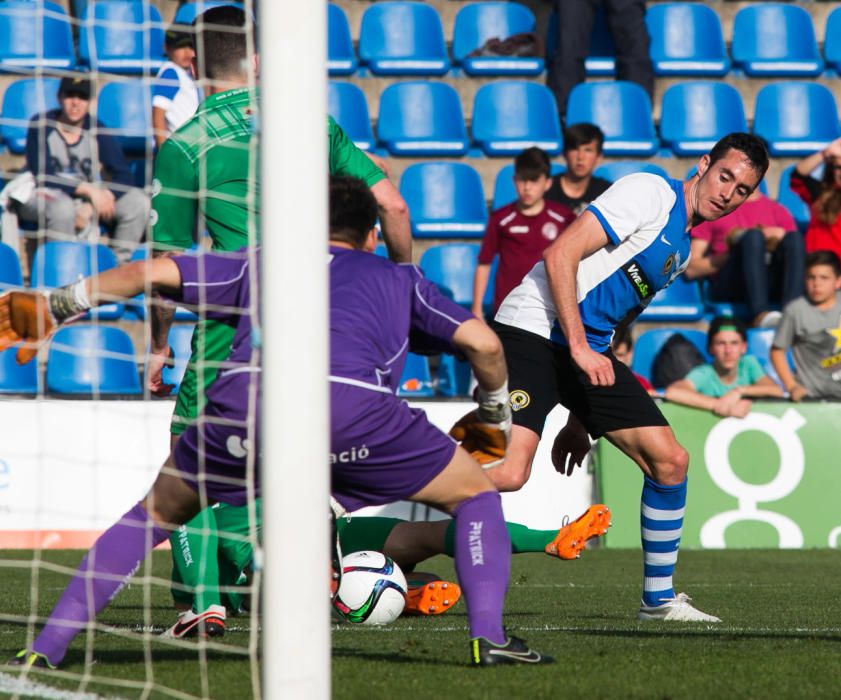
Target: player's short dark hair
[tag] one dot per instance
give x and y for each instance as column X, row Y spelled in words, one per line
column 726, row 323
column 353, row 210
column 576, row 135
column 222, row 41
column 531, row 163
column 824, row 257
column 752, row 146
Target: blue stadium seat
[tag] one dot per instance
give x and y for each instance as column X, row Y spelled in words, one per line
column 686, row 39
column 125, row 108
column 504, row 192
column 451, row 267
column 649, row 343
column 795, row 118
column 416, row 380
column 697, row 114
column 775, row 39
column 22, row 100
column 760, row 341
column 511, row 115
column 190, row 10
column 10, row 273
column 444, row 199
column 137, row 306
column 86, row 359
column 832, row 40
column 796, row 206
column 57, row 263
column 763, row 186
column 601, row 58
column 422, row 119
column 21, row 49
column 341, row 60
column 347, row 105
column 680, row 301
column 453, row 376
column 477, row 23
column 15, row 378
column 615, row 169
column 122, row 36
column 381, row 250
column 403, row 38
column 622, row 110
column 180, row 337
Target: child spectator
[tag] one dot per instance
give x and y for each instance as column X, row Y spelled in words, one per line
column 753, row 255
column 521, row 231
column 811, row 327
column 577, row 187
column 175, row 95
column 622, row 347
column 726, row 385
column 823, row 197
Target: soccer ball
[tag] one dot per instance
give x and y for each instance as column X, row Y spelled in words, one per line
column 372, row 590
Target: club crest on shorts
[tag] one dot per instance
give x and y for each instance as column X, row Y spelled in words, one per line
column 518, row 399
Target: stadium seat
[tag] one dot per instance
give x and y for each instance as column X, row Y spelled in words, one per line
column 381, row 250
column 760, row 341
column 137, row 306
column 57, row 263
column 422, row 119
column 22, row 49
column 85, row 359
column 15, row 378
column 616, row 169
column 504, row 191
column 180, row 338
column 477, row 23
column 680, row 301
column 188, row 11
column 347, row 105
column 125, row 108
column 775, row 39
column 796, row 206
column 451, row 267
column 444, row 199
column 122, row 36
column 601, row 58
column 649, row 343
column 511, row 115
column 832, row 40
column 795, row 118
column 416, row 380
column 22, row 100
column 686, row 39
column 622, row 110
column 697, row 114
column 341, row 60
column 453, row 377
column 10, row 273
column 403, row 38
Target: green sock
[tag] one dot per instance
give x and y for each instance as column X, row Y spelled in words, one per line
column 523, row 539
column 360, row 534
column 235, row 548
column 194, row 556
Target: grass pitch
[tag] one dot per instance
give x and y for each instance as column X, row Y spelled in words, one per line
column 781, row 636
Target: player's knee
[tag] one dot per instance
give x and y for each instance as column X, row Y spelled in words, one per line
column 511, row 475
column 672, row 467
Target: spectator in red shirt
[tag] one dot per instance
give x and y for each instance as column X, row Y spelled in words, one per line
column 519, row 232
column 823, row 197
column 753, row 255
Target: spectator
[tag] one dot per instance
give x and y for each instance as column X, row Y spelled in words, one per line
column 823, row 197
column 626, row 22
column 811, row 327
column 520, row 231
column 726, row 385
column 82, row 178
column 622, row 347
column 175, row 95
column 753, row 255
column 577, row 187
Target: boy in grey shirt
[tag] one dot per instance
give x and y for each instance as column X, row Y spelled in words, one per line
column 811, row 327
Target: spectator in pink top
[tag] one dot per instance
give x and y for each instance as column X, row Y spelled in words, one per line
column 754, row 255
column 520, row 231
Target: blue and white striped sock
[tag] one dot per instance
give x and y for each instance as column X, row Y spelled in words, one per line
column 661, row 523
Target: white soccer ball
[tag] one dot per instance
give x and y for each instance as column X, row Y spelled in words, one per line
column 372, row 591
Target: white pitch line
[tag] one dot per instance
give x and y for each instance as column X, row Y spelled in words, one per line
column 23, row 687
column 688, row 627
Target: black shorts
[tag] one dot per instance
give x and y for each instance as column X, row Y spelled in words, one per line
column 541, row 374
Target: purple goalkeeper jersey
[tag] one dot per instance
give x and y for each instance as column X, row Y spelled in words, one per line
column 378, row 312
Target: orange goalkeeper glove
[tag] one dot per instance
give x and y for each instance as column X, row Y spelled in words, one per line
column 486, row 431
column 25, row 318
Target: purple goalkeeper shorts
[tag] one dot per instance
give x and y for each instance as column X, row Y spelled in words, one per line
column 381, row 450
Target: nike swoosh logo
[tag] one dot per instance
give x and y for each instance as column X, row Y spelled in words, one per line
column 531, row 656
column 664, row 239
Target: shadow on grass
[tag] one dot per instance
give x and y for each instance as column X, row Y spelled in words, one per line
column 708, row 633
column 393, row 656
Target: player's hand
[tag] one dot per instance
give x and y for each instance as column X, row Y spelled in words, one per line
column 570, row 447
column 25, row 318
column 597, row 367
column 798, row 393
column 486, row 442
column 155, row 363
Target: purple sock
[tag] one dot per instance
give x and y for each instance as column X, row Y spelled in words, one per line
column 114, row 557
column 483, row 563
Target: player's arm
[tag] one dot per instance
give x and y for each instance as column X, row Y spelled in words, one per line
column 394, row 218
column 159, row 128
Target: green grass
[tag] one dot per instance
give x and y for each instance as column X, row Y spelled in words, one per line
column 781, row 636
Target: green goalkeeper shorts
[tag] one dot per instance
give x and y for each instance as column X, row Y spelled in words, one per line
column 201, row 371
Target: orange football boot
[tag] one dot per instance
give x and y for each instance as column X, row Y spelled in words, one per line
column 431, row 598
column 572, row 537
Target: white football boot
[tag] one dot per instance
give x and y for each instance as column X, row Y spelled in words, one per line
column 677, row 609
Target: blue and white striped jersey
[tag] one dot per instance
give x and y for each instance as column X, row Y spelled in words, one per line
column 644, row 217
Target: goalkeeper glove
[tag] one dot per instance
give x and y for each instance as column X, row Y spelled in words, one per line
column 486, row 431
